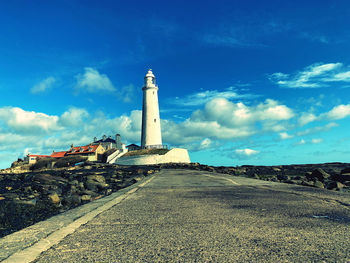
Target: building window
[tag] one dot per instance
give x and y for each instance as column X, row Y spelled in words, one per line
column 155, row 120
column 153, row 92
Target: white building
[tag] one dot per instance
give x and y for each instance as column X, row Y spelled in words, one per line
column 151, row 136
column 109, row 142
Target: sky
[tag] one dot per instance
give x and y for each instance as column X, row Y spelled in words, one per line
column 240, row 82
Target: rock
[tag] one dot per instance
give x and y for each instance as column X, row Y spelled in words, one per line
column 74, row 182
column 254, row 176
column 318, row 174
column 318, row 184
column 282, row 177
column 54, row 198
column 96, row 178
column 95, row 182
column 345, row 171
column 335, row 185
column 345, row 177
column 72, row 200
column 305, row 183
column 85, row 198
column 81, row 186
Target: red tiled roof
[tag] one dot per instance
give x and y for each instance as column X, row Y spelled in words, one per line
column 85, row 149
column 58, row 154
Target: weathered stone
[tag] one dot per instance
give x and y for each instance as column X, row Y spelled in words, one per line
column 335, row 185
column 282, row 177
column 85, row 198
column 306, row 183
column 54, row 198
column 318, row 184
column 345, row 171
column 318, row 174
column 96, row 178
column 74, row 182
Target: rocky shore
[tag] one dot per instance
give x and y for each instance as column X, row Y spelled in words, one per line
column 27, row 197
column 30, row 195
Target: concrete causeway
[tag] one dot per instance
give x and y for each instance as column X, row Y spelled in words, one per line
column 194, row 216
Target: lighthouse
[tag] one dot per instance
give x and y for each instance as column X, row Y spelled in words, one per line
column 151, row 136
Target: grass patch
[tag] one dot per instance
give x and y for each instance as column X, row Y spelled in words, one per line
column 147, row 152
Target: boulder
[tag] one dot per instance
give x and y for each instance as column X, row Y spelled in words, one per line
column 54, row 198
column 335, row 185
column 85, row 198
column 282, row 177
column 318, row 174
column 306, row 183
column 72, row 200
column 345, row 171
column 318, row 184
column 95, row 182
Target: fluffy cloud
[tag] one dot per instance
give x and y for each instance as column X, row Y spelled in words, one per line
column 312, row 141
column 22, row 121
column 229, row 114
column 306, row 118
column 338, row 112
column 284, row 136
column 93, row 81
column 317, row 129
column 246, row 152
column 200, row 98
column 73, row 117
column 43, row 86
column 316, row 141
column 313, row 76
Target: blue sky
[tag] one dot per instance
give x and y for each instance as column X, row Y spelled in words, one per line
column 240, row 82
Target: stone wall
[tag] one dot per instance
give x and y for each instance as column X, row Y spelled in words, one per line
column 176, row 155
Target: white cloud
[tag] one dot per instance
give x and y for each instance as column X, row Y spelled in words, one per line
column 22, row 121
column 284, row 136
column 73, row 117
column 43, row 86
column 246, row 152
column 126, row 94
column 92, row 81
column 338, row 112
column 314, row 76
column 223, row 40
column 312, row 141
column 231, row 114
column 316, row 141
column 205, row 143
column 306, row 118
column 344, row 76
column 301, row 142
column 202, row 97
column 317, row 129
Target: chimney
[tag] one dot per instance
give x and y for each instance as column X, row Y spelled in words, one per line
column 118, row 142
column 104, row 137
column 95, row 139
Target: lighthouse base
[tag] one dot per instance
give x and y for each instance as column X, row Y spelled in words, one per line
column 176, row 155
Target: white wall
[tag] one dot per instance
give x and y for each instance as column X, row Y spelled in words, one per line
column 176, row 155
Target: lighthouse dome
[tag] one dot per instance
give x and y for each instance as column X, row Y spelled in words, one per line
column 150, row 74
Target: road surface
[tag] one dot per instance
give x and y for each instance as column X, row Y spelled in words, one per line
column 196, row 216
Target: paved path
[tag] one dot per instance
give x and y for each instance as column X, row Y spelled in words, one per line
column 192, row 216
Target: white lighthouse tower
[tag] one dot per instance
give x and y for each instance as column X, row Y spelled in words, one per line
column 151, row 136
